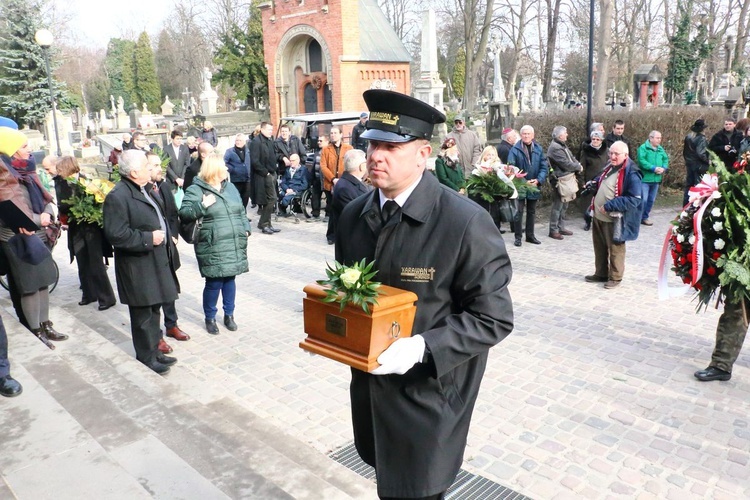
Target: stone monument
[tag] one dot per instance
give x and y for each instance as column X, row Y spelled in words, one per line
column 429, row 87
column 121, row 118
column 64, row 127
column 167, row 108
column 499, row 110
column 498, row 89
column 208, row 96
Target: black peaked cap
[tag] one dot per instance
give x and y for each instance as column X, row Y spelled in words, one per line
column 397, row 117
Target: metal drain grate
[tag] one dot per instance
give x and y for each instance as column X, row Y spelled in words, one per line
column 467, row 486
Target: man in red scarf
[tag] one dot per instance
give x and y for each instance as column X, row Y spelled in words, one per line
column 617, row 215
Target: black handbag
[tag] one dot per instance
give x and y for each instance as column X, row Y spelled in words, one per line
column 190, row 231
column 506, row 209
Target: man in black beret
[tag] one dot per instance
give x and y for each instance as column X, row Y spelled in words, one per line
column 695, row 153
column 411, row 414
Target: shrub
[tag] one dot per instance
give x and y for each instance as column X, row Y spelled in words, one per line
column 673, row 123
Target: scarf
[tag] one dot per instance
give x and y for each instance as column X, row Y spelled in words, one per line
column 25, row 173
column 618, row 187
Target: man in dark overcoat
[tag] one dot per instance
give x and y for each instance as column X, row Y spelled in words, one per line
column 287, row 145
column 411, row 415
column 263, row 159
column 349, row 187
column 136, row 227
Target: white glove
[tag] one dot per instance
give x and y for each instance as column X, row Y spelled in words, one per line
column 400, row 356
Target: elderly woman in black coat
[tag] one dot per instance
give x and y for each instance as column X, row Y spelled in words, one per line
column 86, row 240
column 30, row 266
column 593, row 157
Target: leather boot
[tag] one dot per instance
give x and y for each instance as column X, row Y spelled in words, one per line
column 229, row 323
column 9, row 387
column 39, row 333
column 52, row 334
column 211, row 327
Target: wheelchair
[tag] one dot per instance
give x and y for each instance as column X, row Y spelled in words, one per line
column 301, row 204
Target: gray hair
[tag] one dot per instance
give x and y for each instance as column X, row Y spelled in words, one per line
column 653, row 133
column 353, row 159
column 527, row 127
column 595, row 127
column 130, row 160
column 597, row 134
column 558, row 131
column 620, row 145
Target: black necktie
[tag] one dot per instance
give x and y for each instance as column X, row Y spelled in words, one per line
column 389, row 210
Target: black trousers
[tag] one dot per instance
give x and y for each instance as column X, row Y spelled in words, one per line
column 170, row 314
column 267, row 209
column 530, row 218
column 244, row 189
column 317, row 194
column 144, row 326
column 93, row 274
column 4, row 363
column 439, row 496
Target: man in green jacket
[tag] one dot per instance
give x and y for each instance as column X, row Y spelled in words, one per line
column 653, row 161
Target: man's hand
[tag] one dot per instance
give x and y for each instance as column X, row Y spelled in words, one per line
column 290, row 191
column 286, row 161
column 533, row 182
column 658, row 170
column 46, row 219
column 727, row 147
column 401, row 356
column 158, row 236
column 179, row 182
column 335, row 180
column 208, row 199
column 174, row 240
column 25, row 231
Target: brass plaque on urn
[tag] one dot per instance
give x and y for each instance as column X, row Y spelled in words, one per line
column 336, row 325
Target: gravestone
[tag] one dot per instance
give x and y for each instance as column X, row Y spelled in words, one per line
column 167, row 108
column 135, row 116
column 64, row 127
column 208, row 96
column 429, row 87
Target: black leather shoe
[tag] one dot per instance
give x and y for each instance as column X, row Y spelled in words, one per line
column 211, row 327
column 166, row 360
column 274, row 229
column 104, row 307
column 712, row 373
column 159, row 368
column 532, row 239
column 267, row 230
column 230, row 324
column 593, row 278
column 331, row 241
column 51, row 333
column 85, row 302
column 517, row 242
column 9, row 387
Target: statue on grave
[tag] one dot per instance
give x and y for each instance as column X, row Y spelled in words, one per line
column 112, row 102
column 145, row 108
column 120, row 104
column 498, row 89
column 207, row 79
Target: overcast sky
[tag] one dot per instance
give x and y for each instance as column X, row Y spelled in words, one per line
column 94, row 22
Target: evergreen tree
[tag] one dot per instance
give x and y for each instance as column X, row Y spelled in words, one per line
column 119, row 67
column 459, row 74
column 24, row 92
column 146, row 84
column 685, row 55
column 240, row 61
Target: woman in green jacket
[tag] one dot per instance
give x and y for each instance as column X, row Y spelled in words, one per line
column 654, row 162
column 221, row 247
column 448, row 168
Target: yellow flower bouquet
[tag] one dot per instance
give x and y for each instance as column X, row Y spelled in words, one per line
column 85, row 206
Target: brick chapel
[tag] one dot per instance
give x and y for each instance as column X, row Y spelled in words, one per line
column 322, row 54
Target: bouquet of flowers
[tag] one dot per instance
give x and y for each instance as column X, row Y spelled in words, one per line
column 351, row 284
column 88, row 197
column 497, row 181
column 708, row 241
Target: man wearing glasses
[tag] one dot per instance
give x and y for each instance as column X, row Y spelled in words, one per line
column 140, row 142
column 617, row 215
column 469, row 147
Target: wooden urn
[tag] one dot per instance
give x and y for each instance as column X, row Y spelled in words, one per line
column 352, row 336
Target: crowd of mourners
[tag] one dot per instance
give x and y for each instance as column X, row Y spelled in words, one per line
column 193, row 190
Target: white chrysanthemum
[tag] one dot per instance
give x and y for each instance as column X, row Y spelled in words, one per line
column 675, row 229
column 697, row 203
column 691, row 240
column 719, row 244
column 716, row 195
column 683, row 214
column 716, row 212
column 680, row 238
column 718, row 226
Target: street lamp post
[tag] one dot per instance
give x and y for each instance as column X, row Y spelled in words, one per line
column 44, row 40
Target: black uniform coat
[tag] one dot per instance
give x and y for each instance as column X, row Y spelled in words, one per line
column 165, row 199
column 447, row 250
column 263, row 159
column 143, row 271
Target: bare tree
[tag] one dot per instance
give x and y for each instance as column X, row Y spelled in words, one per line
column 515, row 29
column 604, row 48
column 404, row 16
column 553, row 18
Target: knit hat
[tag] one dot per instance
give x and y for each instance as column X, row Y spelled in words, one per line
column 699, row 125
column 11, row 140
column 448, row 143
column 7, row 122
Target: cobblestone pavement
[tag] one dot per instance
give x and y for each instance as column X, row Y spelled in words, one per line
column 592, row 396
